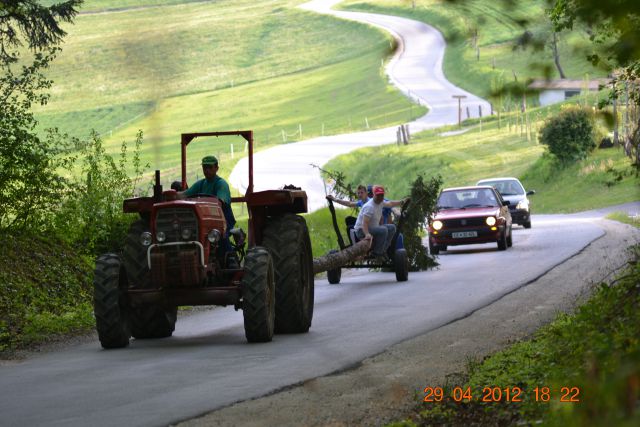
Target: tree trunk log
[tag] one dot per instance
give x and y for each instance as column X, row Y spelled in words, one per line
column 338, row 259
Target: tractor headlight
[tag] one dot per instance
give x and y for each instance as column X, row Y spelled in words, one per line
column 523, row 204
column 185, row 233
column 161, row 236
column 146, row 238
column 491, row 221
column 214, row 236
column 437, row 225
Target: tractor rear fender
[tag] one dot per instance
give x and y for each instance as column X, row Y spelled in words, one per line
column 264, row 204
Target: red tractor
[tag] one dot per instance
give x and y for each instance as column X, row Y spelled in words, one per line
column 172, row 257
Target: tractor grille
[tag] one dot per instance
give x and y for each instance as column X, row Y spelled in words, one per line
column 173, row 221
column 465, row 222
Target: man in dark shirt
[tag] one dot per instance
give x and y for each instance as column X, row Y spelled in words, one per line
column 216, row 186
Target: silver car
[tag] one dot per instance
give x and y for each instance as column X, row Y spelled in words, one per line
column 511, row 189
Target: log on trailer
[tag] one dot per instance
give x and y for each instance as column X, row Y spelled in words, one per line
column 341, row 258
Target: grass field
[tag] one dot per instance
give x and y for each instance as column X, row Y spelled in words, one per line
column 498, row 26
column 605, row 178
column 168, row 67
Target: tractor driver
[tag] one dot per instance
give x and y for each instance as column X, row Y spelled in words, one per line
column 214, row 185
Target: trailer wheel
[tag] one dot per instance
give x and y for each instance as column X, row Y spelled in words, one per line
column 110, row 303
column 287, row 239
column 401, row 265
column 434, row 249
column 147, row 321
column 258, row 295
column 334, row 276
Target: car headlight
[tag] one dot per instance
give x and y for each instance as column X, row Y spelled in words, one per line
column 491, row 221
column 160, row 236
column 185, row 233
column 523, row 204
column 146, row 238
column 214, row 235
column 437, row 225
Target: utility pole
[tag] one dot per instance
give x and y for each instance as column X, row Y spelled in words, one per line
column 459, row 98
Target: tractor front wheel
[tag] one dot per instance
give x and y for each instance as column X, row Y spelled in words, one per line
column 109, row 301
column 148, row 321
column 258, row 295
column 287, row 238
column 153, row 322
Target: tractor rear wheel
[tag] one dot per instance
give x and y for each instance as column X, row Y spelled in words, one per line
column 258, row 295
column 147, row 321
column 287, row 238
column 110, row 303
column 401, row 265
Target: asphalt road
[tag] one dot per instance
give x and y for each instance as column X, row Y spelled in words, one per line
column 416, row 70
column 207, row 364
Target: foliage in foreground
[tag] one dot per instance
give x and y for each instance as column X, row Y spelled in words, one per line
column 596, row 351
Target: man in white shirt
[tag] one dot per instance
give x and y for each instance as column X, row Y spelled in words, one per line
column 368, row 222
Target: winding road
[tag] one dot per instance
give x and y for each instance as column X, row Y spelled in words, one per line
column 207, row 364
column 416, row 69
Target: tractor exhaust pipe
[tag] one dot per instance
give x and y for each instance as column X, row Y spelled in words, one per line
column 157, row 189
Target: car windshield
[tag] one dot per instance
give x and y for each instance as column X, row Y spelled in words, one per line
column 506, row 187
column 469, row 198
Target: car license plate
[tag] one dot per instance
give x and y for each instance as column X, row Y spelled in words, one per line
column 463, row 234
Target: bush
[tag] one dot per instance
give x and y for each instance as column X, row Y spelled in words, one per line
column 90, row 215
column 569, row 136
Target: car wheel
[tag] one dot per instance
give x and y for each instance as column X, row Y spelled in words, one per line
column 527, row 224
column 502, row 241
column 510, row 238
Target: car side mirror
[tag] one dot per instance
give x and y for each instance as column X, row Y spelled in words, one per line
column 506, row 203
column 531, row 192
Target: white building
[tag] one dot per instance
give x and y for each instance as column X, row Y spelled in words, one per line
column 552, row 91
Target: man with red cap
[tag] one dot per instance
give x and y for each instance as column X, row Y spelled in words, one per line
column 368, row 222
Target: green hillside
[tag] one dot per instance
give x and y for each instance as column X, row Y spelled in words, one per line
column 168, row 67
column 498, row 27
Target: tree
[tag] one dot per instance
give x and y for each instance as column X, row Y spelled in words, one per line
column 39, row 25
column 553, row 44
column 614, row 29
column 30, row 182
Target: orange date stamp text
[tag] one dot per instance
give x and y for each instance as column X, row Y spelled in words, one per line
column 503, row 394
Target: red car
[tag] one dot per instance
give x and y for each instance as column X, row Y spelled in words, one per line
column 468, row 215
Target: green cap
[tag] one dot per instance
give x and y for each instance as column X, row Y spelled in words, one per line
column 210, row 160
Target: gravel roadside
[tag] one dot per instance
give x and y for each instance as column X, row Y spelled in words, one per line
column 384, row 387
